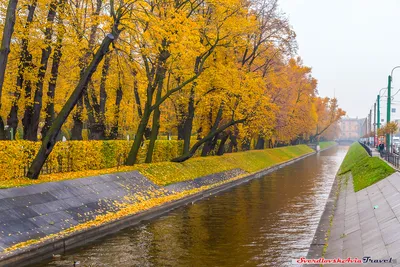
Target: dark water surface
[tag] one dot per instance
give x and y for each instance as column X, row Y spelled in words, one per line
column 266, row 222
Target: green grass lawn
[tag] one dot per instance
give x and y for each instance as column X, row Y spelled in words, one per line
column 366, row 170
column 355, row 154
column 165, row 173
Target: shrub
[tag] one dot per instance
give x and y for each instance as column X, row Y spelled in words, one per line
column 70, row 156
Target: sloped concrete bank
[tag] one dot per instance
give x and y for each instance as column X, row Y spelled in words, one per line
column 322, row 232
column 317, row 245
column 49, row 208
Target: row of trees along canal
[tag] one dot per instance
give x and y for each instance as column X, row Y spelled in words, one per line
column 221, row 69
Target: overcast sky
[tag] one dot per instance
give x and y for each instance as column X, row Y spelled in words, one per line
column 351, row 45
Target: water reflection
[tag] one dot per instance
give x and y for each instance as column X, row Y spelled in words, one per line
column 265, row 222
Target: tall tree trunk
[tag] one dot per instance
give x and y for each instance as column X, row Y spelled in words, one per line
column 153, row 135
column 180, row 128
column 188, row 124
column 97, row 110
column 50, row 139
column 33, row 113
column 156, row 115
column 246, row 144
column 5, row 50
column 76, row 131
column 136, row 93
column 77, row 128
column 101, row 113
column 218, row 118
column 221, row 148
column 260, row 142
column 103, row 80
column 90, row 112
column 114, row 129
column 27, row 119
column 53, row 79
column 96, row 123
column 25, row 65
column 209, row 146
column 233, row 142
column 152, row 87
column 132, row 156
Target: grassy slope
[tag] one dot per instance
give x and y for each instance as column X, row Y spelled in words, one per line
column 366, row 170
column 164, row 173
column 251, row 161
column 323, row 145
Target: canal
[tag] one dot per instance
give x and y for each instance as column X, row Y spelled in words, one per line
column 266, row 222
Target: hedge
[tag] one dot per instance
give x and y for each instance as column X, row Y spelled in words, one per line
column 70, row 156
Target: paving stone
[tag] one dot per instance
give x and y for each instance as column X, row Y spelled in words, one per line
column 389, row 238
column 372, row 248
column 369, row 224
column 378, row 233
column 394, row 249
column 15, row 226
column 391, row 222
column 5, row 204
column 366, row 214
column 396, row 210
column 371, row 237
column 391, row 233
column 352, row 244
column 47, row 208
column 62, row 193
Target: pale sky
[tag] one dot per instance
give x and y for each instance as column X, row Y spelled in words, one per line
column 352, row 46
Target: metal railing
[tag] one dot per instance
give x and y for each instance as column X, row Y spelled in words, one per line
column 392, row 158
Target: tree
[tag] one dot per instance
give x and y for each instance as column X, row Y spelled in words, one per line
column 50, row 139
column 5, row 50
column 328, row 114
column 32, row 110
column 25, row 66
column 156, row 52
column 57, row 55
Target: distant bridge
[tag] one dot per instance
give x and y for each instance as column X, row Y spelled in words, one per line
column 345, row 141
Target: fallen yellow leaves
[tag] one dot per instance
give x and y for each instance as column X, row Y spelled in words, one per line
column 125, row 210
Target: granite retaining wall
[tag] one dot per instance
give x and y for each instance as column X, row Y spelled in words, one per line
column 36, row 211
column 205, row 180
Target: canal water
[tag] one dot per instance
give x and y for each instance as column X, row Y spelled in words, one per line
column 266, row 222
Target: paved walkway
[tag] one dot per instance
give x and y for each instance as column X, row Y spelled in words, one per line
column 375, row 153
column 367, row 223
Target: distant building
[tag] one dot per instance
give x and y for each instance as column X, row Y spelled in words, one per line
column 352, row 128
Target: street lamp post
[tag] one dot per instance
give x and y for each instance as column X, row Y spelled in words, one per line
column 388, row 112
column 390, row 79
column 378, row 122
column 378, row 100
column 374, row 124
